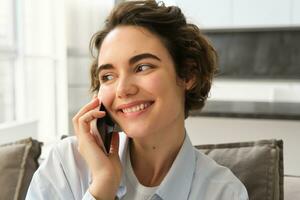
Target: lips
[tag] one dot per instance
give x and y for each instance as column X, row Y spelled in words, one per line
column 134, row 107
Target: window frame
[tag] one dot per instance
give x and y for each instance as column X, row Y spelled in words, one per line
column 20, row 89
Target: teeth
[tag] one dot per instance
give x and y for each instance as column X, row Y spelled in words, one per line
column 136, row 108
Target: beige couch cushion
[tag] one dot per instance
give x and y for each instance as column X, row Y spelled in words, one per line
column 18, row 163
column 259, row 165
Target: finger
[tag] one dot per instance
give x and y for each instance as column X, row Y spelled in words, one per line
column 85, row 120
column 91, row 105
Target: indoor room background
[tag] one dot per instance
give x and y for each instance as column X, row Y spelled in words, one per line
column 45, row 58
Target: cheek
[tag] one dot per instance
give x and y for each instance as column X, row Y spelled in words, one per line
column 153, row 84
column 170, row 93
column 162, row 84
column 157, row 84
column 106, row 95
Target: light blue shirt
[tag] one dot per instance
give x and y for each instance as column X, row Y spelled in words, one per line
column 193, row 176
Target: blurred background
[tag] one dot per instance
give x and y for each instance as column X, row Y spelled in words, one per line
column 44, row 69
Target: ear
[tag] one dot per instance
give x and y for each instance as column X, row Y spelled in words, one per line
column 190, row 83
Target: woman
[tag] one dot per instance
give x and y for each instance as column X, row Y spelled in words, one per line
column 151, row 69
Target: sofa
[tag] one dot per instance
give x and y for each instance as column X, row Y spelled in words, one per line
column 258, row 164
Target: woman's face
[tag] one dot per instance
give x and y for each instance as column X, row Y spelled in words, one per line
column 139, row 87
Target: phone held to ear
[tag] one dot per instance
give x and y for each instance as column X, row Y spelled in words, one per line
column 103, row 129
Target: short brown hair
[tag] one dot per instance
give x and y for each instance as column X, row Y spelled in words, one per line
column 192, row 53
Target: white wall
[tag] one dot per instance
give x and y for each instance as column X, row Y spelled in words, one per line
column 210, row 130
column 256, row 90
column 241, row 13
column 13, row 131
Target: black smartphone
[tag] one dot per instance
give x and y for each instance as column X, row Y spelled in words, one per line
column 106, row 126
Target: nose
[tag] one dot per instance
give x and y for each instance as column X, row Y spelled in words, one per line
column 126, row 87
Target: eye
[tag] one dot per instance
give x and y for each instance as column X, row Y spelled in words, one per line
column 106, row 77
column 143, row 67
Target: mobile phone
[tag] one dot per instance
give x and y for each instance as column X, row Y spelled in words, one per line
column 106, row 127
column 103, row 128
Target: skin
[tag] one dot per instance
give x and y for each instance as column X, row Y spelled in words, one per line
column 135, row 67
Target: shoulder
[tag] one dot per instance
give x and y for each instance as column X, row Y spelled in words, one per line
column 212, row 169
column 214, row 181
column 62, row 152
column 65, row 153
column 63, row 172
column 64, row 156
column 65, row 147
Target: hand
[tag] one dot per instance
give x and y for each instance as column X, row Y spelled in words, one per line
column 106, row 170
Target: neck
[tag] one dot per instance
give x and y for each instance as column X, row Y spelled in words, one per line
column 152, row 157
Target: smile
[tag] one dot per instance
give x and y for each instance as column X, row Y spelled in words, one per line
column 136, row 108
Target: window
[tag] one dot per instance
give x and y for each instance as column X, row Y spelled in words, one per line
column 6, row 90
column 90, row 15
column 7, row 62
column 33, row 83
column 40, row 48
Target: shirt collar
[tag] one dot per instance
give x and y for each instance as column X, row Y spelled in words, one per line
column 180, row 175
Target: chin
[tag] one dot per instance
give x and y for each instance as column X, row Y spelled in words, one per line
column 135, row 132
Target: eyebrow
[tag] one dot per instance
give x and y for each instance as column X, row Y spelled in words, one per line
column 138, row 57
column 132, row 60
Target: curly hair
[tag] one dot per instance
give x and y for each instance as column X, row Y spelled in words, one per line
column 193, row 55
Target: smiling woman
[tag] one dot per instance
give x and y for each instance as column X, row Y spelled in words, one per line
column 151, row 69
column 141, row 74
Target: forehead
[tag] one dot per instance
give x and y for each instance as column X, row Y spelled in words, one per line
column 126, row 41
